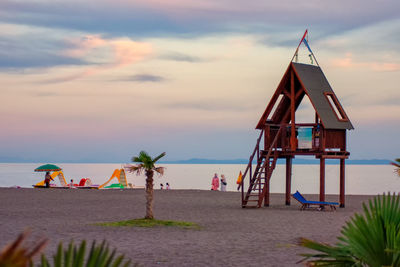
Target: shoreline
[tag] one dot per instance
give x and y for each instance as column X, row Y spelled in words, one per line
column 229, row 235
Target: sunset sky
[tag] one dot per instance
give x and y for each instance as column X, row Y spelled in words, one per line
column 98, row 81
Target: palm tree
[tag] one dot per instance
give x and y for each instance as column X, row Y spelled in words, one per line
column 397, row 165
column 146, row 164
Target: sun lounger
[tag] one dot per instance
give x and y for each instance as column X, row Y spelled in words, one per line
column 306, row 204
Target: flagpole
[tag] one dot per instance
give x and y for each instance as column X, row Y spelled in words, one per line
column 297, row 49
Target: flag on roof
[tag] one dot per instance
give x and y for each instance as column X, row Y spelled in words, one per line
column 306, row 44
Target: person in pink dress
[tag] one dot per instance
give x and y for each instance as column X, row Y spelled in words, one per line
column 215, row 183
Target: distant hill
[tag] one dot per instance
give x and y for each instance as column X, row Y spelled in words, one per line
column 280, row 161
column 205, row 161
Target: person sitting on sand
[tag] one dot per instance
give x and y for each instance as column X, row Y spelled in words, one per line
column 215, row 183
column 168, row 187
column 47, row 179
column 223, row 183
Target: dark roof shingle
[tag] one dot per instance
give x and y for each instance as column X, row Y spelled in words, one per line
column 317, row 86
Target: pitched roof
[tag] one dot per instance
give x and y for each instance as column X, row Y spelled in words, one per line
column 316, row 86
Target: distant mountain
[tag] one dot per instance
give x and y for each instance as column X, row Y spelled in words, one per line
column 206, row 161
column 280, row 161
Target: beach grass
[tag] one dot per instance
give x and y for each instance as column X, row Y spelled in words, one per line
column 151, row 223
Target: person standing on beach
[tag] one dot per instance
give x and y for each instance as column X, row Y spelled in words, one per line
column 47, row 179
column 223, row 183
column 215, row 183
column 161, row 186
column 168, row 187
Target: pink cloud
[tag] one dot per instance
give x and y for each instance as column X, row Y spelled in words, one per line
column 348, row 62
column 127, row 52
column 114, row 53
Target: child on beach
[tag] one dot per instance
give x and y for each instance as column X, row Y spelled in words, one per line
column 71, row 184
column 223, row 183
column 168, row 187
column 161, row 186
column 215, row 183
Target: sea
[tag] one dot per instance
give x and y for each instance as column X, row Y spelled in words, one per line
column 360, row 179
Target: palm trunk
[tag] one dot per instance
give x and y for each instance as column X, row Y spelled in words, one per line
column 149, row 195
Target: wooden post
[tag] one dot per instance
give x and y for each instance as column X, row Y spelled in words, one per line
column 322, row 179
column 292, row 113
column 342, row 182
column 288, row 179
column 266, row 198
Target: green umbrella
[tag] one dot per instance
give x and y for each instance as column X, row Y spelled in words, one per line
column 48, row 168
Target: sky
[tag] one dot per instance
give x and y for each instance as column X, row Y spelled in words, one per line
column 99, row 81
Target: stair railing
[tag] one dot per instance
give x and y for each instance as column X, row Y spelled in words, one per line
column 257, row 151
column 271, row 167
column 249, row 166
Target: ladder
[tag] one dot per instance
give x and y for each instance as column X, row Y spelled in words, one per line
column 258, row 189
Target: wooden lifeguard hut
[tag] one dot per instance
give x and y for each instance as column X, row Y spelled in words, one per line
column 324, row 138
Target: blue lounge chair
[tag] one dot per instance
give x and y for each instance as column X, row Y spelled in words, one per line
column 306, row 204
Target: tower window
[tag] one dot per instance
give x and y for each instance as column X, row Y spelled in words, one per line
column 336, row 107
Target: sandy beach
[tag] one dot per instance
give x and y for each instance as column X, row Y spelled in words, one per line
column 229, row 235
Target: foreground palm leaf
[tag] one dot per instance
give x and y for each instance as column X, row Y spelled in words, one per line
column 17, row 255
column 99, row 256
column 147, row 164
column 371, row 239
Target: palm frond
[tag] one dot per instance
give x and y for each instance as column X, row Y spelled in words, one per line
column 18, row 255
column 368, row 239
column 159, row 170
column 395, row 164
column 75, row 255
column 138, row 169
column 145, row 159
column 136, row 159
column 159, row 157
column 144, row 156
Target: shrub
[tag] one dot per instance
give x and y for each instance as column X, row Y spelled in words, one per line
column 371, row 239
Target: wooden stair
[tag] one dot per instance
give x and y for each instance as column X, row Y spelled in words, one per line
column 259, row 180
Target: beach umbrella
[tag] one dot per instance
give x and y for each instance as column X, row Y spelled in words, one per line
column 48, row 168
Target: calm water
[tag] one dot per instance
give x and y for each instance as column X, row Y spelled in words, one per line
column 360, row 179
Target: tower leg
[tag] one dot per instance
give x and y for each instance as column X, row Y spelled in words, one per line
column 342, row 182
column 288, row 179
column 322, row 180
column 266, row 198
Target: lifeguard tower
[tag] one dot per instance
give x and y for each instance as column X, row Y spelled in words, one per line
column 281, row 137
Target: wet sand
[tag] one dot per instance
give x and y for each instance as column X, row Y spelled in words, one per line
column 229, row 235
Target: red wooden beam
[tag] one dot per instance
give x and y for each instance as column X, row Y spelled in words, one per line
column 292, row 112
column 322, row 179
column 278, row 91
column 288, row 179
column 342, row 182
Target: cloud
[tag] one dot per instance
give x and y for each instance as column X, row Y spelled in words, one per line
column 175, row 56
column 349, row 62
column 22, row 50
column 45, row 94
column 103, row 54
column 31, row 60
column 115, row 52
column 143, row 78
column 208, row 105
column 189, row 17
